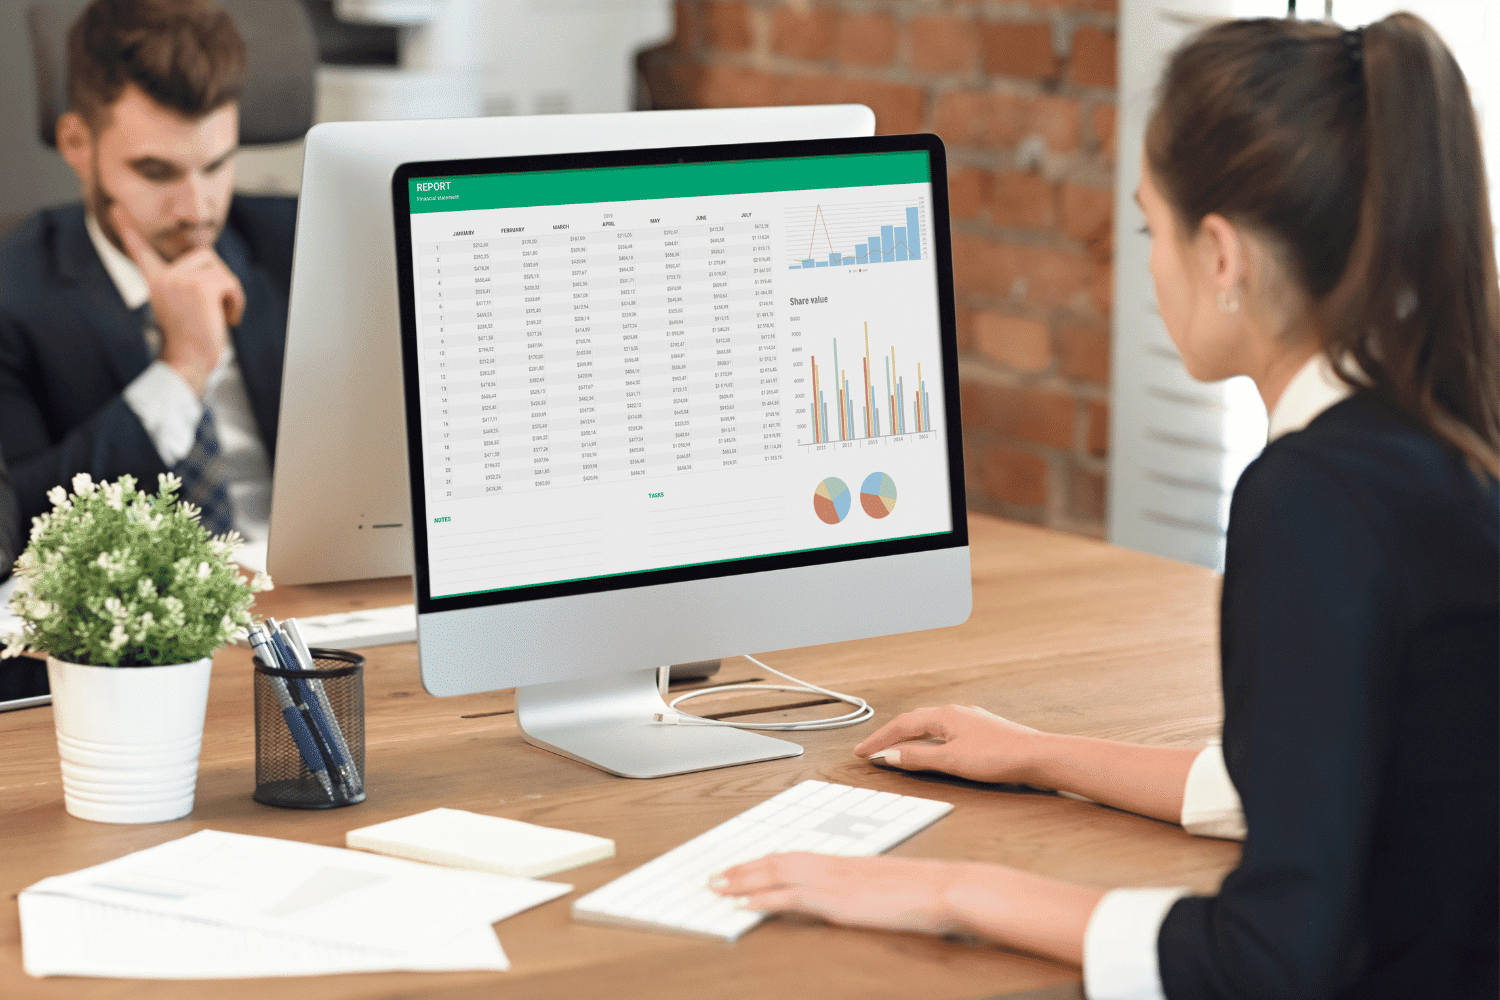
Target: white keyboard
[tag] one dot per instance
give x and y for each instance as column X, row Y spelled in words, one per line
column 671, row 893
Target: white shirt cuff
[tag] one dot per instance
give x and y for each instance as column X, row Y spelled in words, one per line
column 1119, row 945
column 168, row 409
column 1210, row 805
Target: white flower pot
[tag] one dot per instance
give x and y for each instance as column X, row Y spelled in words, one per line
column 129, row 738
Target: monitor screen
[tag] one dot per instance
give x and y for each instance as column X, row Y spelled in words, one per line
column 648, row 366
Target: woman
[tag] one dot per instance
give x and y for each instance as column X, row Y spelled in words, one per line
column 1319, row 222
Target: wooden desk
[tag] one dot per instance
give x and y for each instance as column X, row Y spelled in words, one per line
column 1067, row 634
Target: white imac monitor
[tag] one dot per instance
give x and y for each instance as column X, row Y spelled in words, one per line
column 670, row 405
column 339, row 501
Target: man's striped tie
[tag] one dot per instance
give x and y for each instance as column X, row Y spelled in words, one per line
column 202, row 471
column 203, row 478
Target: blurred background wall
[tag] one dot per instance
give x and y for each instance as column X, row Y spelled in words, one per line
column 1023, row 95
column 31, row 175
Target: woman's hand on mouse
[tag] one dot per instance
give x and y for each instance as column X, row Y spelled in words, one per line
column 976, row 744
column 981, row 746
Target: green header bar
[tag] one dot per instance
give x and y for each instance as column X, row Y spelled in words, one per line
column 667, row 180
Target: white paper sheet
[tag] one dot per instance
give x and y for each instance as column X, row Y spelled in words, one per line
column 10, row 624
column 359, row 629
column 72, row 937
column 464, row 839
column 259, row 906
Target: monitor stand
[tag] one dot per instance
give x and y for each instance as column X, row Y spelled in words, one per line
column 608, row 722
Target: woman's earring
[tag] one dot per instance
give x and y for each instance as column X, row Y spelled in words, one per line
column 1228, row 304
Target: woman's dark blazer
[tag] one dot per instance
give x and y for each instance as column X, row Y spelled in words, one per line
column 1360, row 644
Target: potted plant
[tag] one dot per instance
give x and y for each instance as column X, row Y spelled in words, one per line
column 129, row 597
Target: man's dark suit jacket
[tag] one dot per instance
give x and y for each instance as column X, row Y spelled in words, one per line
column 10, row 525
column 69, row 347
column 1360, row 646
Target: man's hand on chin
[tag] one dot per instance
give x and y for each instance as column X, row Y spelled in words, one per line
column 195, row 300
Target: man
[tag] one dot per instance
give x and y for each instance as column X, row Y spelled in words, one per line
column 142, row 330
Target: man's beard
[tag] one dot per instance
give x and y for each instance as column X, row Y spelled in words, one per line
column 171, row 243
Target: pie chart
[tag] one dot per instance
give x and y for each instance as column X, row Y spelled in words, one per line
column 831, row 501
column 877, row 494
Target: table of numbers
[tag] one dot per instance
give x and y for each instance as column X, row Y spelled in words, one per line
column 563, row 357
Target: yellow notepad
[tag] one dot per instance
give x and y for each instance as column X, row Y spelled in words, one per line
column 463, row 839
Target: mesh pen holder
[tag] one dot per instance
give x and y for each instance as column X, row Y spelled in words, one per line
column 310, row 732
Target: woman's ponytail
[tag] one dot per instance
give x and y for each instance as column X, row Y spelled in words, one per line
column 1418, row 306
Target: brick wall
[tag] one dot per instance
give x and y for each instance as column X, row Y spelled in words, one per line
column 1022, row 93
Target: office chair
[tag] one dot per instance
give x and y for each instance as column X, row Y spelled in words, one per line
column 276, row 105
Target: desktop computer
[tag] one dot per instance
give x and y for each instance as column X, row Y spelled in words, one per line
column 672, row 404
column 339, row 501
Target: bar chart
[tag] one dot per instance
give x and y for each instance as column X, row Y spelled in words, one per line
column 853, row 235
column 846, row 409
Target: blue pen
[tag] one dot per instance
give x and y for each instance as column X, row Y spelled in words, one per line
column 305, row 657
column 309, row 707
column 261, row 643
column 323, row 730
column 296, row 723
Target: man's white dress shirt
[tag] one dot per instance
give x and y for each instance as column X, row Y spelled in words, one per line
column 1119, row 945
column 170, row 410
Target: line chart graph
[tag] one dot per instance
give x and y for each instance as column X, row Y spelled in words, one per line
column 857, row 234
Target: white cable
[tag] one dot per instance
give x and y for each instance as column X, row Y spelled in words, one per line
column 862, row 710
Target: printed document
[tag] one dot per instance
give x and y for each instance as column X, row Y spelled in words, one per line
column 233, row 905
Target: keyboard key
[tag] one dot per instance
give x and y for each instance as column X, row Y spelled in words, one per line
column 890, row 810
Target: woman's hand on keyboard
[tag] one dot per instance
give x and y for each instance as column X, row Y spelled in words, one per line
column 1015, row 908
column 898, row 894
column 975, row 744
